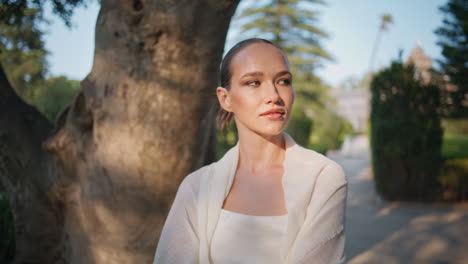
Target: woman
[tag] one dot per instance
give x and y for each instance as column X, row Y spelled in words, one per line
column 268, row 200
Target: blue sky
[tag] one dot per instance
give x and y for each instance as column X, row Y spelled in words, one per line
column 351, row 24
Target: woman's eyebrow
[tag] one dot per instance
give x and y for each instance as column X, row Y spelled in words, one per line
column 254, row 74
column 257, row 74
column 282, row 73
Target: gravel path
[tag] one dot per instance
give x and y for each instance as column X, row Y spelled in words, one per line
column 395, row 232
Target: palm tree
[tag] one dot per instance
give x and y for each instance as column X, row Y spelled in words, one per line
column 385, row 20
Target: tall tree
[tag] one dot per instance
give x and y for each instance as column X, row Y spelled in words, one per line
column 385, row 20
column 453, row 39
column 96, row 187
column 291, row 25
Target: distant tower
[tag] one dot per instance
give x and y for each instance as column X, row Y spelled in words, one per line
column 422, row 63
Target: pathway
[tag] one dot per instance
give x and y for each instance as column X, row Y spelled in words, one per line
column 395, row 232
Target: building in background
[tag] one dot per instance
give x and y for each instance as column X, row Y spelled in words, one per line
column 354, row 103
column 422, row 63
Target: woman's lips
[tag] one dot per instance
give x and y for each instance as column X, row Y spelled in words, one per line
column 274, row 114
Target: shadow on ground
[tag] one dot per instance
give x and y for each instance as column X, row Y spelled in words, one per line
column 384, row 232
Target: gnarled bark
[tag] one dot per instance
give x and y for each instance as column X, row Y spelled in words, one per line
column 142, row 120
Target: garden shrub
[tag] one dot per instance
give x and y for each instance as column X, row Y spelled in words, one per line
column 406, row 134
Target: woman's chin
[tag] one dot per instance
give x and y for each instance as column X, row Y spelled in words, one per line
column 268, row 129
column 271, row 131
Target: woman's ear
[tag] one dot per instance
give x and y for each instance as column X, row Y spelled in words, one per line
column 224, row 98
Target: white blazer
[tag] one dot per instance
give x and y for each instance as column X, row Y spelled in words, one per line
column 315, row 190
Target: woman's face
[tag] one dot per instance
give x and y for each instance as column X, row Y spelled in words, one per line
column 261, row 93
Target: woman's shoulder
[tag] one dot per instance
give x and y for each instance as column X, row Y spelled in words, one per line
column 329, row 168
column 193, row 179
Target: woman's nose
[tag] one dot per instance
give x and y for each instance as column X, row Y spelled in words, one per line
column 271, row 94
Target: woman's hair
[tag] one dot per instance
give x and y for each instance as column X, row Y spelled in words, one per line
column 224, row 117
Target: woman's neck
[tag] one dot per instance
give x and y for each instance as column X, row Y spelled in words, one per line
column 257, row 152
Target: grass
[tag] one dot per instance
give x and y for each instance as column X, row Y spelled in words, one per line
column 455, row 147
column 454, row 176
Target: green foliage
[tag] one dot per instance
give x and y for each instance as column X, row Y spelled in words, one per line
column 23, row 55
column 454, row 176
column 12, row 12
column 453, row 39
column 455, row 147
column 455, row 127
column 310, row 97
column 329, row 132
column 406, row 135
column 300, row 125
column 291, row 25
column 314, row 124
column 226, row 139
column 54, row 95
column 7, row 230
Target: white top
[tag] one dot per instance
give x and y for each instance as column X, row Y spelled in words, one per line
column 241, row 238
column 315, row 191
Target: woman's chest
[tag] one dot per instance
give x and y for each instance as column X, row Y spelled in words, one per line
column 243, row 238
column 260, row 194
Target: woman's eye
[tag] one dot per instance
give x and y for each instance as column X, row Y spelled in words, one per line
column 285, row 82
column 253, row 83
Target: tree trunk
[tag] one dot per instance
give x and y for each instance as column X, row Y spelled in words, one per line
column 99, row 189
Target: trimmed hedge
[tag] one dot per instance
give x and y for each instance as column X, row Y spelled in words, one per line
column 406, row 135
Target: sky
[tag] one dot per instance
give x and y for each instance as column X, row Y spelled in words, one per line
column 352, row 26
